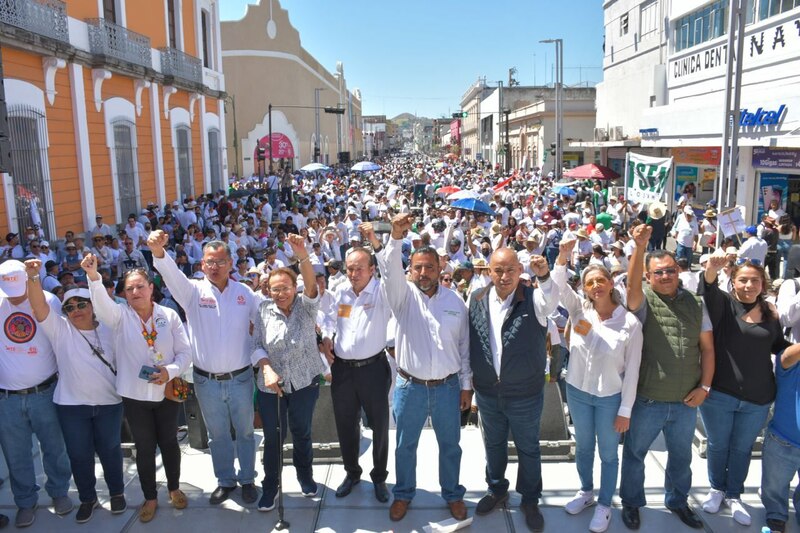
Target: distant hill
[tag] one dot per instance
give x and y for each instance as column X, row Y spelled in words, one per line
column 403, row 117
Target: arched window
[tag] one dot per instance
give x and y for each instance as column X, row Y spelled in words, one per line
column 183, row 150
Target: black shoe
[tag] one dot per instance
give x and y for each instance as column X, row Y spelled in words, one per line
column 533, row 516
column 220, row 494
column 85, row 512
column 249, row 493
column 688, row 517
column 776, row 526
column 381, row 492
column 630, row 517
column 489, row 503
column 3, row 519
column 347, row 486
column 118, row 504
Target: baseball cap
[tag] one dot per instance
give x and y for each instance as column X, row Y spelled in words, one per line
column 688, row 210
column 77, row 293
column 12, row 279
column 50, row 264
column 752, row 230
column 10, row 236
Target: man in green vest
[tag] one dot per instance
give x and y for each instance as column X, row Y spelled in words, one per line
column 674, row 379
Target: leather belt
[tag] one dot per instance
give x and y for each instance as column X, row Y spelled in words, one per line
column 44, row 385
column 426, row 382
column 224, row 376
column 358, row 363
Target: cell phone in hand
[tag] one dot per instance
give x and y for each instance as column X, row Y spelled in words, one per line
column 382, row 227
column 146, row 372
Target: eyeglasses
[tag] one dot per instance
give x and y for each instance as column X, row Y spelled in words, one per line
column 219, row 263
column 281, row 290
column 746, row 260
column 665, row 272
column 71, row 307
column 597, row 282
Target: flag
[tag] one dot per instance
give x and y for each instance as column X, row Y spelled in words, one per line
column 646, row 177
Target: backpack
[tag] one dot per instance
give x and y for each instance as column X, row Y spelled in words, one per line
column 555, row 240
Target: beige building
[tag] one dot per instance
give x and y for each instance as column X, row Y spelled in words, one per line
column 265, row 64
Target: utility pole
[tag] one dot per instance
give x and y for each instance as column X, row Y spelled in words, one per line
column 558, row 86
column 230, row 98
column 316, row 119
column 270, row 137
column 499, row 114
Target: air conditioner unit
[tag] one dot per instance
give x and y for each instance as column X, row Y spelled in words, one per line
column 600, row 134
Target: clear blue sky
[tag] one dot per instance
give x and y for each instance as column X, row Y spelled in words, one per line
column 420, row 56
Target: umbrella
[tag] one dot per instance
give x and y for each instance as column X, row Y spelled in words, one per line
column 565, row 191
column 365, row 166
column 441, row 164
column 461, row 195
column 451, row 156
column 314, row 167
column 474, row 205
column 591, row 171
column 450, row 189
column 501, row 184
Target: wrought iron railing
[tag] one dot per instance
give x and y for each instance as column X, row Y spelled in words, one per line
column 112, row 40
column 180, row 65
column 43, row 17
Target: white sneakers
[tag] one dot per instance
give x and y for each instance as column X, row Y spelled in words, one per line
column 600, row 520
column 738, row 511
column 581, row 501
column 713, row 501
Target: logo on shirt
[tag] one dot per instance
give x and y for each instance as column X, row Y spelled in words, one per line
column 161, row 322
column 240, row 300
column 20, row 328
column 208, row 303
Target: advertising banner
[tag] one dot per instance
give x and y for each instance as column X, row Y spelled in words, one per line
column 646, row 177
column 772, row 187
column 683, row 177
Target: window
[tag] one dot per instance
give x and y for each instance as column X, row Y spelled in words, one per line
column 215, row 160
column 623, row 24
column 183, row 153
column 700, row 26
column 205, row 26
column 172, row 32
column 110, row 10
column 648, row 18
column 126, row 174
column 770, row 8
column 31, row 172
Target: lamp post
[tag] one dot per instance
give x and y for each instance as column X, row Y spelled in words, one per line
column 559, row 164
column 230, row 98
column 507, row 146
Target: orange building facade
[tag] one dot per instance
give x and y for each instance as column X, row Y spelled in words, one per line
column 112, row 105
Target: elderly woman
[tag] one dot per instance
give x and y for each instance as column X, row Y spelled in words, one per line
column 151, row 348
column 286, row 351
column 605, row 352
column 90, row 417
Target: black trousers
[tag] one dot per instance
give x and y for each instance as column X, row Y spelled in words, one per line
column 354, row 389
column 155, row 424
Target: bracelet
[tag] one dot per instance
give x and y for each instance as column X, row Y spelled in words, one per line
column 301, row 261
column 34, row 278
column 543, row 278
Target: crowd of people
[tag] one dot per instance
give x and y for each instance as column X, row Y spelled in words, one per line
column 412, row 310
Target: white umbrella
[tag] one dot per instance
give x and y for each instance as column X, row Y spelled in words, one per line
column 466, row 193
column 314, row 167
column 365, row 166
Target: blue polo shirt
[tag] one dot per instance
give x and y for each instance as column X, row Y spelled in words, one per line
column 786, row 420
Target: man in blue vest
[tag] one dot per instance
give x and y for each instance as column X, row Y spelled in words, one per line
column 674, row 379
column 507, row 329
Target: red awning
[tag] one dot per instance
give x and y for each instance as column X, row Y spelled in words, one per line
column 281, row 149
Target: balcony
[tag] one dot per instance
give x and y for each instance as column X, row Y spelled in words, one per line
column 111, row 40
column 179, row 65
column 42, row 17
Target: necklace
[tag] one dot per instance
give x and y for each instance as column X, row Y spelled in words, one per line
column 150, row 339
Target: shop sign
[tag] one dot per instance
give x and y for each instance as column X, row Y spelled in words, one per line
column 776, row 157
column 697, row 156
column 646, row 177
column 761, row 117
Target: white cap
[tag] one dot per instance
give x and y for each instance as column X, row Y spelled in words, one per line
column 77, row 293
column 13, row 279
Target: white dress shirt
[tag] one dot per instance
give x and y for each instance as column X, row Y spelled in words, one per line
column 788, row 305
column 360, row 322
column 217, row 322
column 432, row 336
column 498, row 311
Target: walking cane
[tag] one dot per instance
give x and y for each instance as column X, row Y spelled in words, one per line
column 282, row 524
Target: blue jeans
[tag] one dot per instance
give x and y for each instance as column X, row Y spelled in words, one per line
column 90, row 429
column 684, row 251
column 648, row 419
column 412, row 405
column 522, row 416
column 593, row 418
column 297, row 411
column 780, row 460
column 273, row 201
column 225, row 404
column 732, row 426
column 22, row 416
column 783, row 253
column 419, row 193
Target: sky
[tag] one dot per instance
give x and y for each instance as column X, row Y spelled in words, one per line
column 421, row 56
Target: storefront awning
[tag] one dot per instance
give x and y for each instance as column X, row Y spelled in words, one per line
column 604, row 144
column 281, row 146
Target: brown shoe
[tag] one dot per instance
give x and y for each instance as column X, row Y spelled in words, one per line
column 398, row 510
column 458, row 509
column 148, row 510
column 178, row 499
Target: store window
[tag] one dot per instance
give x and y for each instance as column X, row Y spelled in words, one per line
column 183, row 152
column 126, row 175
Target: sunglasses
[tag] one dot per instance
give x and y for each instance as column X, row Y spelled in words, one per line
column 747, row 261
column 598, row 282
column 71, row 307
column 665, row 272
column 447, row 279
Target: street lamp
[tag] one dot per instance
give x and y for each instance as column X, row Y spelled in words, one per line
column 230, row 98
column 559, row 82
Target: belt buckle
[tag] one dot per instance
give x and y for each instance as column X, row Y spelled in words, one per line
column 25, row 391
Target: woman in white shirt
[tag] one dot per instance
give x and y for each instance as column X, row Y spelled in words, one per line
column 605, row 352
column 90, row 417
column 152, row 348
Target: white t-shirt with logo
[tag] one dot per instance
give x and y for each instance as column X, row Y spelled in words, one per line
column 27, row 359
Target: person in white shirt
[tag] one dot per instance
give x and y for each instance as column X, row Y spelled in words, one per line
column 218, row 318
column 90, row 417
column 685, row 233
column 100, row 228
column 753, row 248
column 433, row 372
column 605, row 353
column 152, row 348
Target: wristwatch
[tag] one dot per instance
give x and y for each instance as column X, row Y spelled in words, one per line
column 706, row 388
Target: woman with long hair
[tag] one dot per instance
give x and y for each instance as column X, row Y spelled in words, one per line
column 152, row 348
column 605, row 352
column 746, row 334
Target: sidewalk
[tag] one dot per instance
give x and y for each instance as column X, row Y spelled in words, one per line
column 360, row 510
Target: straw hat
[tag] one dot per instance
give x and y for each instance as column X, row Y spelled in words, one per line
column 657, row 210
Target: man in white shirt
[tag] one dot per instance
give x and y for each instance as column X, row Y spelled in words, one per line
column 100, row 228
column 754, row 247
column 685, row 233
column 434, row 377
column 218, row 317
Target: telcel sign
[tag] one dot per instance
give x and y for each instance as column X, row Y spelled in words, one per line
column 761, row 117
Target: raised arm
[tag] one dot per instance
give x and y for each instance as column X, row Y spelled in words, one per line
column 298, row 245
column 177, row 282
column 641, row 236
column 35, row 293
column 106, row 309
column 569, row 298
column 391, row 264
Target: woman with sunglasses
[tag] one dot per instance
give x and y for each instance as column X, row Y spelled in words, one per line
column 746, row 332
column 605, row 352
column 151, row 348
column 90, row 417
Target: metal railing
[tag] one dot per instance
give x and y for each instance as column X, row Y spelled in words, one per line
column 43, row 17
column 112, row 40
column 180, row 65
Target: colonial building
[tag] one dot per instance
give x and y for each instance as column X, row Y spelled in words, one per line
column 112, row 104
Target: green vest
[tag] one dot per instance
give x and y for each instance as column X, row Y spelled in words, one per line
column 670, row 366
